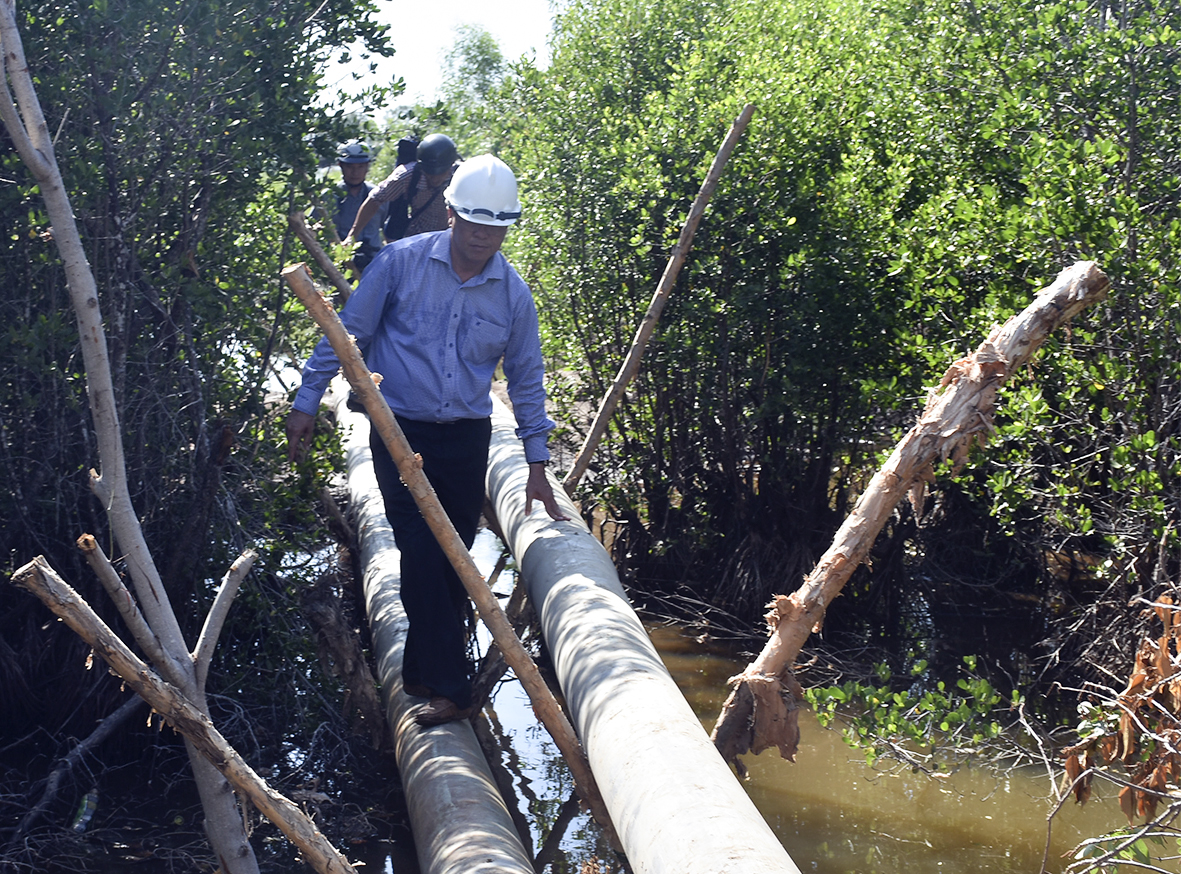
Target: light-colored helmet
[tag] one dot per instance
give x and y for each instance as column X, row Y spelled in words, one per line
column 484, row 190
column 355, row 152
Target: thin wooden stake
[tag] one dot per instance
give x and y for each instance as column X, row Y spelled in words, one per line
column 548, row 711
column 631, row 366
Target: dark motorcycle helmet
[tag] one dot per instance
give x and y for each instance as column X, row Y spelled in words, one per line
column 436, row 153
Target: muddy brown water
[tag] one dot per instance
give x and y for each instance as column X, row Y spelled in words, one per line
column 833, row 813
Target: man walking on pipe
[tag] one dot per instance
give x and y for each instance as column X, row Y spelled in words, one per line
column 434, row 314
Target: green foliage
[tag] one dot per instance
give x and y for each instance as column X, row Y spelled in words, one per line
column 186, row 134
column 915, row 711
column 1151, row 850
column 913, row 172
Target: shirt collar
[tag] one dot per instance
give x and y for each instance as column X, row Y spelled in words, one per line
column 494, row 269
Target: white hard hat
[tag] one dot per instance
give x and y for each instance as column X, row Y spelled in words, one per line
column 484, row 190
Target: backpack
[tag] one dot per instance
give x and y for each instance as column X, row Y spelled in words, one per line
column 399, row 215
column 407, row 150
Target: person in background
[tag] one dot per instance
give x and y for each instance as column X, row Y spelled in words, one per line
column 435, row 314
column 353, row 191
column 412, row 194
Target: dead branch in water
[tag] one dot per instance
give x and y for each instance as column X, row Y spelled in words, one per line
column 760, row 710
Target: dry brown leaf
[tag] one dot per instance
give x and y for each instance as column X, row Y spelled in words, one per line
column 1160, row 659
column 1074, row 768
column 1110, row 748
column 1127, row 803
column 1127, row 737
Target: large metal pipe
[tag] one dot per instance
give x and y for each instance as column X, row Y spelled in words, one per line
column 460, row 822
column 676, row 805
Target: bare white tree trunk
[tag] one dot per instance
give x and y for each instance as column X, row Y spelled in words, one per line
column 26, row 125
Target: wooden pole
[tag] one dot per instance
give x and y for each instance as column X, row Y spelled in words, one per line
column 759, row 712
column 300, row 226
column 680, row 252
column 167, row 700
column 364, row 384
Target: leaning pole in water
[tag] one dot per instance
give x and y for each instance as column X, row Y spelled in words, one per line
column 676, row 805
column 460, row 822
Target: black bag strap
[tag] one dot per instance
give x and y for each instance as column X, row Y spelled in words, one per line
column 415, row 213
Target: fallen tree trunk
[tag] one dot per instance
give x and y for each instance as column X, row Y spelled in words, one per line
column 760, row 710
column 677, row 807
column 168, row 701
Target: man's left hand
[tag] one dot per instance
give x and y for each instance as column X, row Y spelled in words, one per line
column 538, row 488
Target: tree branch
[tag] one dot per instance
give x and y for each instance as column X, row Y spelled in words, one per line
column 125, row 603
column 167, row 700
column 958, row 413
column 215, row 619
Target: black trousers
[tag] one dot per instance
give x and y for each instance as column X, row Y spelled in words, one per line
column 455, row 460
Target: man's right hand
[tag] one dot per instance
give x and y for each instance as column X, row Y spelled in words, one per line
column 300, row 427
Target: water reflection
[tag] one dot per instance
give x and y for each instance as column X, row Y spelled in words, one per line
column 836, row 814
column 833, row 813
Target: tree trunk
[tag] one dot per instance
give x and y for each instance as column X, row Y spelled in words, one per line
column 760, row 711
column 30, row 134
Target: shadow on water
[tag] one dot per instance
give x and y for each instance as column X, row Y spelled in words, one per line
column 833, row 813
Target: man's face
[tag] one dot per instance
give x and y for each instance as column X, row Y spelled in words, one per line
column 473, row 244
column 434, row 180
column 353, row 174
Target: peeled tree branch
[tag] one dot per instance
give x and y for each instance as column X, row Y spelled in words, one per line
column 168, row 701
column 760, row 711
column 647, row 326
column 306, row 236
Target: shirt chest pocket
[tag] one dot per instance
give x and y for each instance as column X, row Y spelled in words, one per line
column 484, row 341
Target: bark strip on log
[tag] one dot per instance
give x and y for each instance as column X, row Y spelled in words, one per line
column 958, row 414
column 40, row 579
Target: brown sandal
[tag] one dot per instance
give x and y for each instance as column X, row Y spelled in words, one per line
column 439, row 711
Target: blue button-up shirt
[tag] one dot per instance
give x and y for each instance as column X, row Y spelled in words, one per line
column 436, row 341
